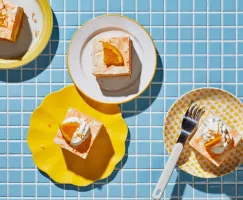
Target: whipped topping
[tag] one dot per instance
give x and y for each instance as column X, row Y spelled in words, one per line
column 213, row 127
column 81, row 133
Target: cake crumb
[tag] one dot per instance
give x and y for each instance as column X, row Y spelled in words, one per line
column 36, row 33
column 49, row 125
column 33, row 17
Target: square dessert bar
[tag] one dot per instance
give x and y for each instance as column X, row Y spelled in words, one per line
column 214, row 139
column 112, row 57
column 10, row 20
column 84, row 148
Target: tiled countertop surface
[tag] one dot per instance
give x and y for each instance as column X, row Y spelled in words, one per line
column 199, row 43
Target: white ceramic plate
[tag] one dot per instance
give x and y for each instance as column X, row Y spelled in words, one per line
column 33, row 36
column 112, row 90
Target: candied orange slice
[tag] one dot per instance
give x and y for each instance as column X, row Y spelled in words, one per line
column 112, row 55
column 213, row 142
column 68, row 129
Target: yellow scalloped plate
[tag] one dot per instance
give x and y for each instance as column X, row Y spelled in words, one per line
column 63, row 166
column 222, row 104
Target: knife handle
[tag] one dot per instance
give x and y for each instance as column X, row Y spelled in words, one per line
column 167, row 172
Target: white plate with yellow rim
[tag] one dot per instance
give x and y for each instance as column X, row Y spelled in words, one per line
column 220, row 103
column 112, row 90
column 34, row 34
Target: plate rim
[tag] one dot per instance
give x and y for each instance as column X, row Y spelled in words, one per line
column 121, row 154
column 155, row 53
column 167, row 115
column 42, row 42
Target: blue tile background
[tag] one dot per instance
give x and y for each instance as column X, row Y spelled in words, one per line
column 199, row 44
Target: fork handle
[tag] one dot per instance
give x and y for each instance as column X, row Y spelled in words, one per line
column 166, row 174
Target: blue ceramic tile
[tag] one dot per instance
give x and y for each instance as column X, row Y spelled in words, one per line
column 159, row 76
column 214, row 62
column 42, row 177
column 229, row 20
column 157, row 33
column 171, row 190
column 186, row 191
column 29, row 90
column 143, row 176
column 157, row 119
column 215, row 76
column 132, row 148
column 129, row 5
column 157, row 148
column 28, row 162
column 159, row 47
column 186, row 34
column 3, row 176
column 3, row 162
column 155, row 176
column 185, row 177
column 157, row 19
column 130, row 163
column 3, row 147
column 185, row 76
column 171, row 5
column 129, row 191
column 71, row 191
column 85, row 17
column 186, row 19
column 214, row 190
column 230, row 88
column 14, row 119
column 86, row 191
column 57, row 190
column 43, row 90
column 200, row 190
column 100, row 5
column 129, row 176
column 229, row 6
column 200, row 76
column 214, row 48
column 186, row 5
column 158, row 105
column 171, row 48
column 229, row 33
column 200, row 48
column 143, row 104
column 200, row 34
column 3, row 90
column 58, row 5
column 157, row 90
column 14, row 90
column 240, row 48
column 229, row 76
column 186, row 62
column 157, row 162
column 14, row 147
column 29, row 190
column 214, row 33
column 171, row 90
column 143, row 148
column 171, row 76
column 43, row 190
column 86, row 5
column 3, row 189
column 29, row 176
column 14, row 176
column 14, row 162
column 143, row 191
column 157, row 5
column 144, row 19
column 200, row 6
column 3, row 133
column 143, row 119
column 229, row 62
column 143, row 133
column 69, row 34
column 3, row 120
column 44, row 76
column 185, row 88
column 114, row 6
column 168, row 104
column 143, row 6
column 171, row 19
column 71, row 19
column 171, row 34
column 200, row 19
column 186, row 48
column 114, row 191
column 143, row 162
column 228, row 190
column 72, row 6
column 3, row 105
column 14, row 190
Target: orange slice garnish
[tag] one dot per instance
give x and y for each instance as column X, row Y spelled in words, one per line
column 213, row 142
column 68, row 129
column 112, row 55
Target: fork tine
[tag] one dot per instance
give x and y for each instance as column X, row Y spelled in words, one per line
column 194, row 113
column 199, row 114
column 190, row 109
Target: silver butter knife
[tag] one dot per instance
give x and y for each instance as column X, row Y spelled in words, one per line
column 189, row 125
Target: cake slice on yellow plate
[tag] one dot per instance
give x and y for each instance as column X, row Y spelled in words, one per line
column 112, row 57
column 10, row 20
column 214, row 139
column 78, row 132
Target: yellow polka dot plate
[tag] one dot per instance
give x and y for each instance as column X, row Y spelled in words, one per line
column 63, row 166
column 219, row 102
